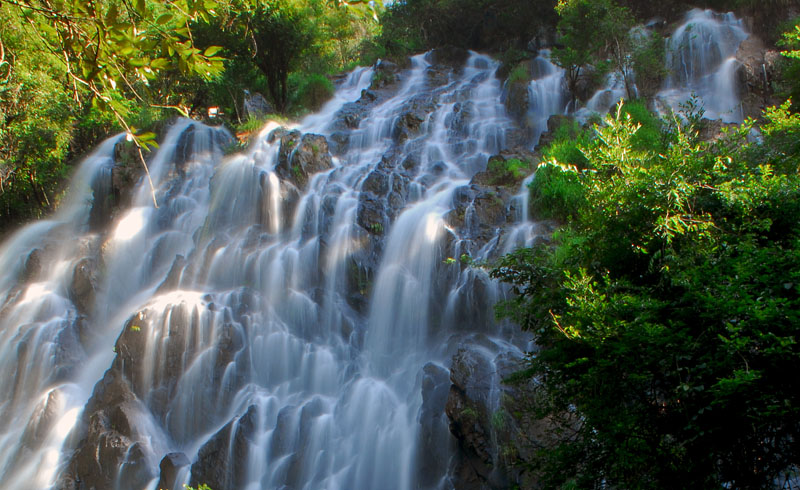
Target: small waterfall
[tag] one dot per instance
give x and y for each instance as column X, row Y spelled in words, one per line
column 605, row 98
column 547, row 93
column 701, row 60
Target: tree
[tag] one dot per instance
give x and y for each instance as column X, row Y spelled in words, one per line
column 58, row 57
column 666, row 311
column 591, row 32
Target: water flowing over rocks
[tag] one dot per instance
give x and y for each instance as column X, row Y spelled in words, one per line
column 308, row 314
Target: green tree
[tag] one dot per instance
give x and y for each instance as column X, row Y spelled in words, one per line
column 667, row 310
column 591, row 32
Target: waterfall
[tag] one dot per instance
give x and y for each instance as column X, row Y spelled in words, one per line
column 285, row 318
column 700, row 60
column 547, row 93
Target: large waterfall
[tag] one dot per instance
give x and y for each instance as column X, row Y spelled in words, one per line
column 282, row 318
column 287, row 317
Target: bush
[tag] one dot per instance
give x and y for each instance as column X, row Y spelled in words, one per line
column 666, row 311
column 556, row 193
column 566, row 147
column 506, row 172
column 309, row 91
column 650, row 135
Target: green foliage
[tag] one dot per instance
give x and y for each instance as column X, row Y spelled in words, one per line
column 566, row 146
column 519, row 74
column 667, row 310
column 506, row 172
column 650, row 135
column 789, row 84
column 648, row 51
column 592, row 31
column 310, row 91
column 556, row 192
column 497, row 25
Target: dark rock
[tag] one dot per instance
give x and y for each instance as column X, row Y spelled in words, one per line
column 84, row 285
column 33, row 266
column 553, row 123
column 339, row 141
column 255, row 105
column 517, row 100
column 135, row 470
column 407, row 125
column 213, row 463
column 371, row 214
column 173, row 279
column 300, row 157
column 377, row 182
column 170, row 466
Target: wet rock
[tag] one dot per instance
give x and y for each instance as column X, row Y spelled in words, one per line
column 171, row 465
column 371, row 215
column 212, row 465
column 752, row 66
column 517, row 98
column 713, row 130
column 433, row 456
column 386, row 74
column 553, row 123
column 83, row 287
column 407, row 125
column 377, row 182
column 173, row 279
column 339, row 142
column 33, row 266
column 299, row 157
column 106, row 429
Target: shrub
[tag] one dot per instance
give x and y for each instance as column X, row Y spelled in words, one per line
column 556, row 193
column 506, row 172
column 310, row 91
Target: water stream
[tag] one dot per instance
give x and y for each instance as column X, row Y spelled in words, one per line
column 285, row 317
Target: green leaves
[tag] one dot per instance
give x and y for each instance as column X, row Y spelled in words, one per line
column 666, row 307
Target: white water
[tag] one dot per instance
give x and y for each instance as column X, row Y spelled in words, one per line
column 701, row 61
column 257, row 327
column 261, row 329
column 547, row 93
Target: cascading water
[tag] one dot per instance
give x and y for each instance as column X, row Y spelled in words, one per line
column 284, row 318
column 701, row 61
column 547, row 93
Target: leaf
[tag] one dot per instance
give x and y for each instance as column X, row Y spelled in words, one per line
column 163, row 19
column 212, row 50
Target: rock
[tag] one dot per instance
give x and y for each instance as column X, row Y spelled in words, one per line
column 33, row 266
column 371, row 214
column 712, row 130
column 255, row 105
column 385, row 74
column 553, row 123
column 432, row 456
column 299, row 157
column 377, row 182
column 170, row 466
column 406, row 126
column 84, row 285
column 212, row 465
column 173, row 279
column 222, row 462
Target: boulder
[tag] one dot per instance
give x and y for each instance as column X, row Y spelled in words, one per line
column 255, row 105
column 83, row 287
column 299, row 157
column 171, row 465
